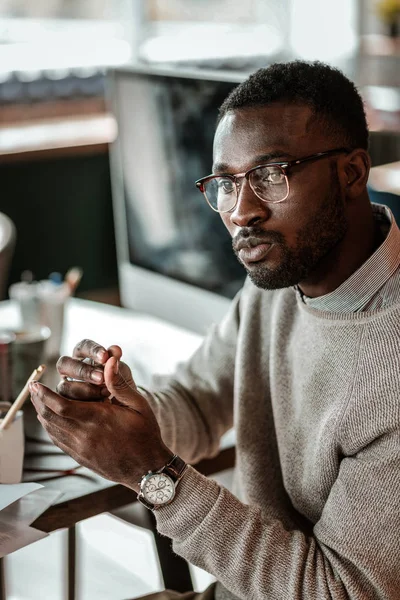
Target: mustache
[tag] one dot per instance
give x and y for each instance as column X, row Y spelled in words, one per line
column 252, row 236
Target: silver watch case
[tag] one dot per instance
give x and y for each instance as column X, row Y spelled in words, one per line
column 143, row 494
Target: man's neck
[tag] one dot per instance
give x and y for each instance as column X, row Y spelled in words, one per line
column 360, row 242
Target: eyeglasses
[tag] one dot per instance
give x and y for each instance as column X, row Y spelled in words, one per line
column 269, row 182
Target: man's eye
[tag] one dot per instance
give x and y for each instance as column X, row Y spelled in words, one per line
column 226, row 186
column 276, row 177
column 272, row 176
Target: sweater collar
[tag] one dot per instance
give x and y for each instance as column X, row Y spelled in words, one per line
column 365, row 289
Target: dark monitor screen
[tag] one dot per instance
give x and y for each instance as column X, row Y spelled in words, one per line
column 166, row 125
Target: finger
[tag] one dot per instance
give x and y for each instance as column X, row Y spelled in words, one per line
column 67, row 450
column 90, row 349
column 53, row 407
column 49, row 418
column 125, row 393
column 115, row 351
column 78, row 369
column 59, row 438
column 54, row 432
column 75, row 390
column 70, row 450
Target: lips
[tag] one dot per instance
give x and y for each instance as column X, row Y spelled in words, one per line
column 249, row 254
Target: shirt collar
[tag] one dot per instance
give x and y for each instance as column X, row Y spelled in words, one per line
column 357, row 291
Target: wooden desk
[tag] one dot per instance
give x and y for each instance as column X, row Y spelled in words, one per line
column 86, row 495
column 160, row 346
column 55, row 129
column 101, row 496
column 67, row 136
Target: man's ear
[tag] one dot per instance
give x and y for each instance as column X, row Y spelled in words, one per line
column 355, row 172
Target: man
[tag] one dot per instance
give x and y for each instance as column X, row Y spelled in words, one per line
column 305, row 365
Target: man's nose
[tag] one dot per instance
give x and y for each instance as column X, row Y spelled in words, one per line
column 249, row 208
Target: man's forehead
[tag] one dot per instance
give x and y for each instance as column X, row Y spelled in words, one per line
column 263, row 130
column 280, row 117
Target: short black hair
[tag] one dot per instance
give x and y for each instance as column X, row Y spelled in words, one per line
column 333, row 98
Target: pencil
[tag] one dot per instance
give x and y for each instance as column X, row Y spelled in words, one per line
column 72, row 279
column 17, row 404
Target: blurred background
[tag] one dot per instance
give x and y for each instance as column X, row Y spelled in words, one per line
column 56, row 126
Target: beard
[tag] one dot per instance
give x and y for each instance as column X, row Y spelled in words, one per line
column 314, row 242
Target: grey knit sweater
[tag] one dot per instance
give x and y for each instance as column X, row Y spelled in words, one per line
column 315, row 400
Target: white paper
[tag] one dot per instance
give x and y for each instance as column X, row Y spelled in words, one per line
column 13, row 537
column 15, row 519
column 25, row 510
column 13, row 492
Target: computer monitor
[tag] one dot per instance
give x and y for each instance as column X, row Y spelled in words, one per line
column 175, row 257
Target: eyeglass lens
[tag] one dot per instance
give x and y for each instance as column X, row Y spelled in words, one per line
column 268, row 183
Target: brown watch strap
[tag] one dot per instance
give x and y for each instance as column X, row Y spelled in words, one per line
column 175, row 468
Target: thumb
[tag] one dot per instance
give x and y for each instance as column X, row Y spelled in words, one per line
column 125, row 393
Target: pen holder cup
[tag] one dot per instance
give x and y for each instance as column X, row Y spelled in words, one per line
column 12, row 449
column 52, row 316
column 27, row 300
column 42, row 304
column 28, row 352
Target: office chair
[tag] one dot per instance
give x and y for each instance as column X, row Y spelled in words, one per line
column 7, row 245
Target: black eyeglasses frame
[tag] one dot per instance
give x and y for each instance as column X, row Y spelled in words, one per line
column 285, row 166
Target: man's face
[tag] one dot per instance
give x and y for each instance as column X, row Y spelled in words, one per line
column 290, row 241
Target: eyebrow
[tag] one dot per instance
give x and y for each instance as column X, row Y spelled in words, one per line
column 258, row 160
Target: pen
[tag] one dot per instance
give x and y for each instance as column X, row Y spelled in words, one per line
column 17, row 404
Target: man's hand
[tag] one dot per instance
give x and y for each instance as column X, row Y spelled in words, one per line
column 91, row 385
column 119, row 441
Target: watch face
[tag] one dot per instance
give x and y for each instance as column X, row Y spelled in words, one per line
column 158, row 488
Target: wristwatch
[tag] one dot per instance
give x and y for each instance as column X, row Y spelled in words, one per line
column 158, row 488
